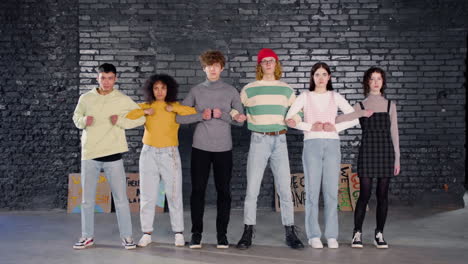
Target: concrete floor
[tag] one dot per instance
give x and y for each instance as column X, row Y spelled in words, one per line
column 415, row 235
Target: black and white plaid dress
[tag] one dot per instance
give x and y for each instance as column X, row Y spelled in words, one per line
column 376, row 154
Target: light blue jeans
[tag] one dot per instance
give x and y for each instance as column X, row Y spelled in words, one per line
column 115, row 174
column 321, row 160
column 158, row 164
column 262, row 149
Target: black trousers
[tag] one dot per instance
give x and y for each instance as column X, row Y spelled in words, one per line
column 200, row 170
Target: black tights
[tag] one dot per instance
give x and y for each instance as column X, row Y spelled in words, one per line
column 382, row 202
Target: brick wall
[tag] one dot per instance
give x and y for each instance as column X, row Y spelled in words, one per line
column 421, row 44
column 39, row 71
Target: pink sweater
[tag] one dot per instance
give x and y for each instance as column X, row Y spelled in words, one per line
column 321, row 107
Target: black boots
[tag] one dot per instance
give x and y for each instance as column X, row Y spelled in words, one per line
column 246, row 241
column 291, row 238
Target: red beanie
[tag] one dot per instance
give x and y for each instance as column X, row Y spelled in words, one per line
column 263, row 53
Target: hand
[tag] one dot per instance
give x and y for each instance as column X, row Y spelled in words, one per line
column 240, row 118
column 291, row 123
column 206, row 114
column 217, row 113
column 317, row 127
column 397, row 170
column 368, row 113
column 149, row 111
column 89, row 120
column 169, row 108
column 114, row 119
column 329, row 127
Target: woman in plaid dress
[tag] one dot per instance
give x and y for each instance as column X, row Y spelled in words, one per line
column 379, row 154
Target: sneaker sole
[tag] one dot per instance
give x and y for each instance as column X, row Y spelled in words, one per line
column 380, row 246
column 83, row 247
column 316, row 247
column 222, row 246
column 179, row 245
column 357, row 246
column 143, row 245
column 130, row 247
column 195, row 246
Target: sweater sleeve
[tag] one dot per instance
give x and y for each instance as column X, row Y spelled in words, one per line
column 125, row 123
column 394, row 133
column 295, row 108
column 358, row 112
column 237, row 108
column 189, row 119
column 183, row 110
column 346, row 108
column 79, row 117
column 137, row 113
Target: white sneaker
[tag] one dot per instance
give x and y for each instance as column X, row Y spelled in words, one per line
column 145, row 240
column 332, row 243
column 315, row 242
column 179, row 240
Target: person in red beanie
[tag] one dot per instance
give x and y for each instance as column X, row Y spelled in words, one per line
column 266, row 103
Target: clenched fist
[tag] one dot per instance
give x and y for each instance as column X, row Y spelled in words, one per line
column 114, row 119
column 206, row 114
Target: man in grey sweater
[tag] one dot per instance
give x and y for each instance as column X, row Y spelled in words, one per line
column 212, row 144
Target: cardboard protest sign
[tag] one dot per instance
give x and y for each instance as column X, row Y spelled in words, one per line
column 103, row 194
column 354, row 190
column 297, row 191
column 299, row 196
column 344, row 200
column 133, row 193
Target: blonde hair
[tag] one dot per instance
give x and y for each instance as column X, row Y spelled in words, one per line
column 277, row 73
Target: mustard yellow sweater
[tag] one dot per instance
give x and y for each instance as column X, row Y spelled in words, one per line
column 161, row 129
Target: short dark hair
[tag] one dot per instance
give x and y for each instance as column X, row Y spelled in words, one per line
column 169, row 81
column 367, row 76
column 107, row 67
column 211, row 57
column 317, row 66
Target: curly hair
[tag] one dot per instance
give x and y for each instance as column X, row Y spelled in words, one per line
column 211, row 57
column 171, row 84
column 317, row 66
column 366, row 79
column 277, row 73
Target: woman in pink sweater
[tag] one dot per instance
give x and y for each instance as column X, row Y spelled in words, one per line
column 321, row 156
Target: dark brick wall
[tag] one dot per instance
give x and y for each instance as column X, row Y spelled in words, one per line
column 38, row 91
column 421, row 44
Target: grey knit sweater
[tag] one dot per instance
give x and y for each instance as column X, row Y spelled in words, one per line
column 215, row 134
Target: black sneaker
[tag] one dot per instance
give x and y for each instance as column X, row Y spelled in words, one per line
column 128, row 243
column 195, row 242
column 291, row 238
column 379, row 241
column 356, row 242
column 222, row 241
column 246, row 240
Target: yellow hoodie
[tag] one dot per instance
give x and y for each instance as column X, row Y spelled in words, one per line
column 161, row 128
column 102, row 138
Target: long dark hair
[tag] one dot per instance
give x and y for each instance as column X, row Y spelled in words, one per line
column 171, row 84
column 367, row 76
column 317, row 66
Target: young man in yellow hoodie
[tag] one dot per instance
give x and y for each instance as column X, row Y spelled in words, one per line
column 101, row 114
